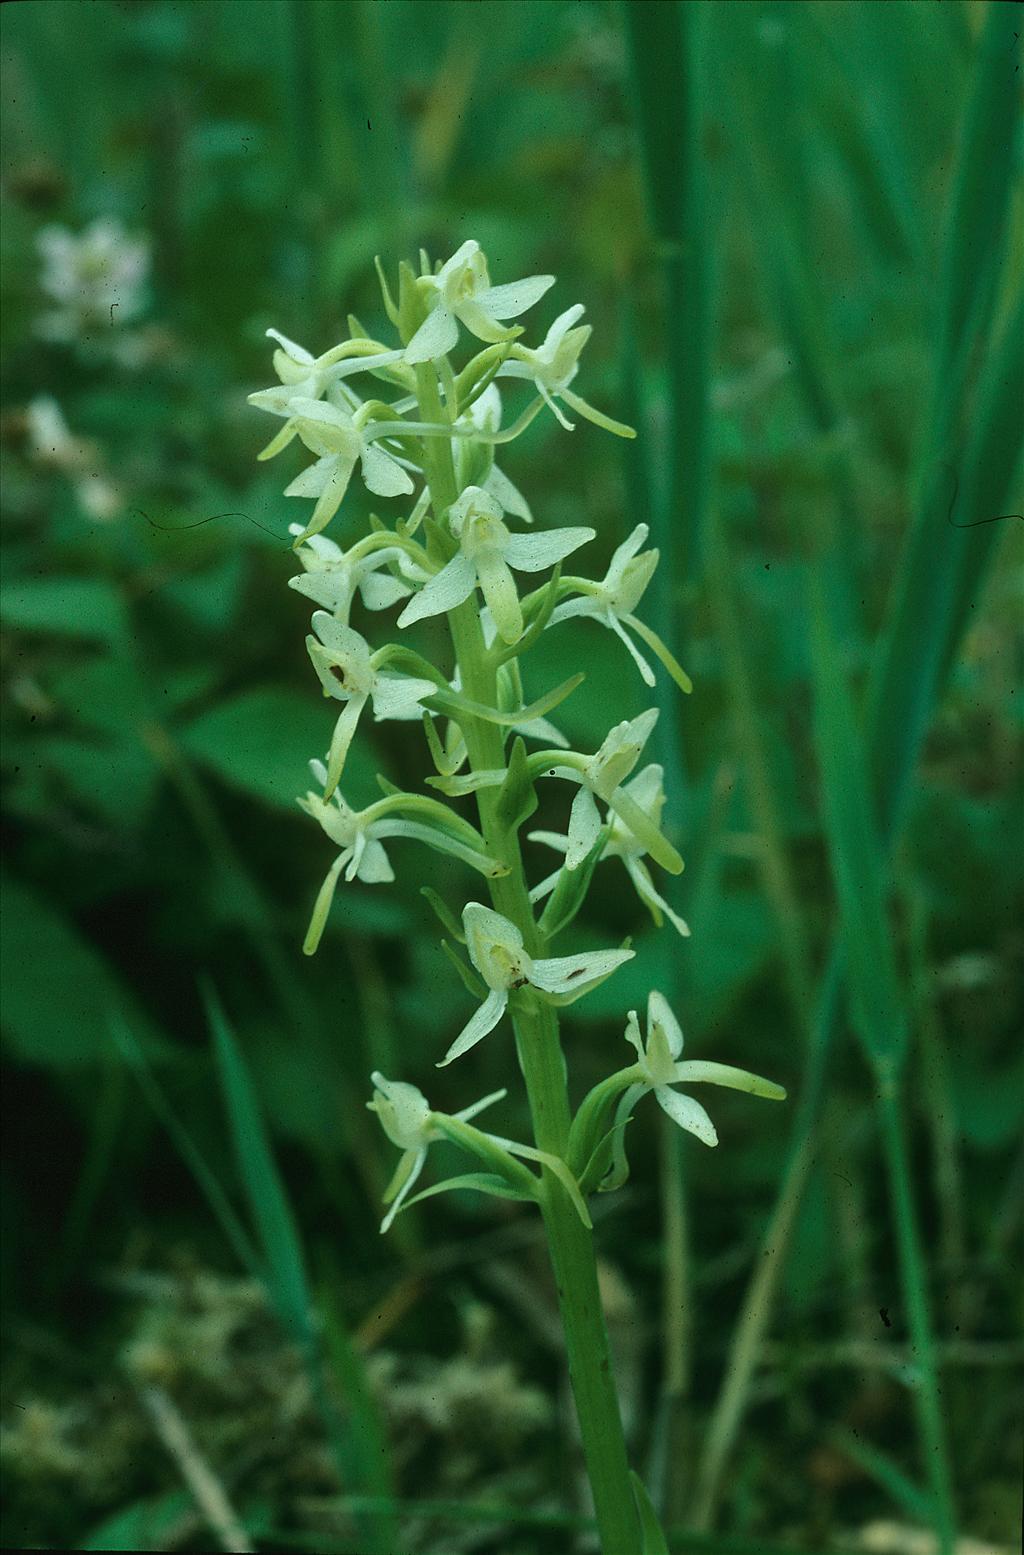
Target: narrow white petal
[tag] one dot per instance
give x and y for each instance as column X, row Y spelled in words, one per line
column 436, row 336
column 478, row 1106
column 651, row 897
column 582, row 605
column 632, row 1034
column 405, row 1189
column 610, row 619
column 297, row 353
column 510, row 497
column 689, row 1114
column 485, row 1020
column 534, row 552
column 453, row 584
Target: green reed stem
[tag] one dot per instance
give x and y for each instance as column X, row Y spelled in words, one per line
column 927, row 1391
column 570, row 1243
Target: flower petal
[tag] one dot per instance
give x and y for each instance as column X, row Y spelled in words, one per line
column 610, row 619
column 311, row 481
column 584, row 825
column 413, row 1164
column 689, row 1114
column 575, row 974
column 393, row 694
column 511, row 498
column 374, row 866
column 382, row 475
column 435, row 337
column 534, row 552
column 651, row 897
column 508, row 301
column 660, row 1013
column 448, row 588
column 484, row 1021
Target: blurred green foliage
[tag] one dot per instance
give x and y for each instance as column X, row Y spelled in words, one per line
column 844, row 362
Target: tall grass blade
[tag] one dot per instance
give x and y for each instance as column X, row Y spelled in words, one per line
column 268, row 1205
column 218, row 1201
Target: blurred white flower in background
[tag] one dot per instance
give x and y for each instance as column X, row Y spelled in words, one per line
column 52, row 444
column 96, row 277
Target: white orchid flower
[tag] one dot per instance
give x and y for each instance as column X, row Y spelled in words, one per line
column 553, row 365
column 484, row 415
column 340, row 440
column 463, row 293
column 647, row 791
column 332, row 577
column 307, row 377
column 614, row 600
column 497, row 951
column 360, row 835
column 487, row 551
column 601, row 777
column 658, row 1070
column 408, row 1121
column 349, row 671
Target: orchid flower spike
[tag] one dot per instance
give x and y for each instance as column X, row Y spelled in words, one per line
column 614, row 600
column 658, row 1069
column 600, row 777
column 340, row 440
column 348, row 671
column 552, row 366
column 409, row 1123
column 647, row 791
column 332, row 577
column 305, row 376
column 487, row 550
column 497, row 951
column 461, row 293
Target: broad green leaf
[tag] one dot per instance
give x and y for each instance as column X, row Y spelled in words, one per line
column 65, row 607
column 60, row 994
column 261, row 742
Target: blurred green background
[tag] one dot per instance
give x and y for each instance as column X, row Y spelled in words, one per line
column 797, row 232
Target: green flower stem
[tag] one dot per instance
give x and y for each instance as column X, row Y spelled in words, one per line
column 570, row 1243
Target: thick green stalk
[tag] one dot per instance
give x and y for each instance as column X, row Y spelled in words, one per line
column 570, row 1243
